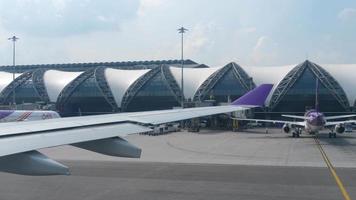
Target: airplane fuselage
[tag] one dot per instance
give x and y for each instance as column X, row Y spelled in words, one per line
column 26, row 115
column 315, row 121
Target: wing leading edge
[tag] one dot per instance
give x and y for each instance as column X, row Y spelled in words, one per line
column 102, row 134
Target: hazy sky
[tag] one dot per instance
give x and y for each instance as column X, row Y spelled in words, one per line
column 249, row 32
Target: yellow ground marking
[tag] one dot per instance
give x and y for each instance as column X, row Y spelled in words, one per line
column 332, row 170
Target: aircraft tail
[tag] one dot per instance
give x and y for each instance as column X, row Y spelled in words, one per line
column 255, row 97
column 316, row 95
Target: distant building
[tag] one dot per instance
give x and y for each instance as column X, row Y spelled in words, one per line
column 92, row 88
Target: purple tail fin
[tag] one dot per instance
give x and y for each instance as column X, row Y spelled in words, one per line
column 317, row 95
column 255, row 97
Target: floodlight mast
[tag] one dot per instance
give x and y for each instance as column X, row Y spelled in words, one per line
column 13, row 39
column 182, row 30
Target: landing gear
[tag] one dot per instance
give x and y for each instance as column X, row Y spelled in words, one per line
column 332, row 135
column 296, row 133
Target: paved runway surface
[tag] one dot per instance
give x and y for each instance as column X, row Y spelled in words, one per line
column 132, row 180
column 218, row 147
column 209, row 165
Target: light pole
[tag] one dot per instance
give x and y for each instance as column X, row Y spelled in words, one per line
column 182, row 30
column 13, row 39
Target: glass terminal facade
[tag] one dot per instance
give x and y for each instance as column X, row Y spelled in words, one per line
column 89, row 92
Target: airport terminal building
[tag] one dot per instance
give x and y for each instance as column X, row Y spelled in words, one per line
column 92, row 88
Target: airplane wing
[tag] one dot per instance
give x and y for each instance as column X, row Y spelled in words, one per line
column 302, row 123
column 339, row 117
column 295, row 117
column 339, row 122
column 103, row 134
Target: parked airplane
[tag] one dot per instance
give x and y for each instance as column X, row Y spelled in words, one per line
column 101, row 133
column 313, row 121
column 26, row 115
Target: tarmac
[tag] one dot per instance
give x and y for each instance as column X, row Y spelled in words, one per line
column 205, row 165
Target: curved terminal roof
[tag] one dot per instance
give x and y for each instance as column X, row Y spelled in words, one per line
column 56, row 80
column 345, row 76
column 268, row 74
column 6, row 78
column 77, row 67
column 193, row 78
column 119, row 80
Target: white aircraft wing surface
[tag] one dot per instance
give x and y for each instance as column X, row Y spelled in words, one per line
column 295, row 117
column 339, row 117
column 340, row 122
column 101, row 133
column 150, row 117
column 300, row 123
column 160, row 117
column 27, row 136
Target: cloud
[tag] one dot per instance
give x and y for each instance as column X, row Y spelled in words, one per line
column 147, row 5
column 264, row 51
column 5, row 45
column 53, row 31
column 60, row 4
column 199, row 38
column 65, row 17
column 347, row 14
column 261, row 42
column 247, row 30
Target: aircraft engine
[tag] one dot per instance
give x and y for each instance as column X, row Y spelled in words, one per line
column 340, row 128
column 286, row 128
